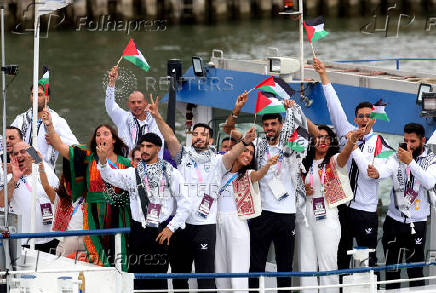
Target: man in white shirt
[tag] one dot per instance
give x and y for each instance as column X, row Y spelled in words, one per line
column 278, row 190
column 413, row 173
column 24, row 122
column 20, row 196
column 199, row 165
column 358, row 218
column 131, row 125
column 157, row 191
column 13, row 135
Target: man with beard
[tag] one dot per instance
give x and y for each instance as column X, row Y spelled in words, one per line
column 359, row 217
column 24, row 122
column 157, row 191
column 20, row 195
column 278, row 190
column 404, row 231
column 13, row 135
column 131, row 125
column 200, row 166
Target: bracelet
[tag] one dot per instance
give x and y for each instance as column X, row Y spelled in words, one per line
column 234, row 115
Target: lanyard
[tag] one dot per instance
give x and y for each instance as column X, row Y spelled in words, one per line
column 162, row 181
column 135, row 136
column 197, row 170
column 113, row 165
column 29, row 188
column 227, row 184
column 322, row 177
column 279, row 161
column 410, row 180
column 77, row 206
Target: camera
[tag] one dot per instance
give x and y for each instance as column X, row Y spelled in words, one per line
column 10, row 69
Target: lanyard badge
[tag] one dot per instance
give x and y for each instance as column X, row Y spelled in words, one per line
column 47, row 213
column 205, row 206
column 411, row 190
column 153, row 212
column 319, row 210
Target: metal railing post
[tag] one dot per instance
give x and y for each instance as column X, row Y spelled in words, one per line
column 372, row 284
column 118, row 257
column 262, row 284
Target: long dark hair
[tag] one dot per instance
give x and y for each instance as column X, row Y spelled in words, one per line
column 251, row 165
column 120, row 147
column 333, row 149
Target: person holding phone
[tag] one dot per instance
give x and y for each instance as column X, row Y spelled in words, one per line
column 20, row 194
column 413, row 172
column 358, row 218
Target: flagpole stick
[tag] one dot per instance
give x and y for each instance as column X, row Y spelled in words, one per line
column 121, row 58
column 313, row 50
column 250, row 90
column 254, row 123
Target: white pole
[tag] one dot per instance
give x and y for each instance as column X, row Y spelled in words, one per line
column 35, row 118
column 118, row 255
column 300, row 6
column 262, row 284
column 5, row 177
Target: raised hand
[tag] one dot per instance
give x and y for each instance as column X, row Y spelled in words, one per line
column 46, row 117
column 288, row 103
column 153, row 107
column 369, row 126
column 273, row 160
column 405, row 156
column 113, row 76
column 250, row 135
column 102, row 150
column 240, row 101
column 318, row 65
column 355, row 135
column 17, row 173
column 372, row 172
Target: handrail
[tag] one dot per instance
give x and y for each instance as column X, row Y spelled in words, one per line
column 397, row 60
column 66, row 233
column 279, row 274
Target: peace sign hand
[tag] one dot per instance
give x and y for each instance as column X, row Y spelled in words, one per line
column 153, row 107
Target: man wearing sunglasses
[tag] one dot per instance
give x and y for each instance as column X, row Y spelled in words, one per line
column 358, row 217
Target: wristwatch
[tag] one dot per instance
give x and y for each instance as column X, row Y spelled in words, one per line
column 234, row 115
column 244, row 143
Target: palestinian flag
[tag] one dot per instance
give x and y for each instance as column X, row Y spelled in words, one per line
column 295, row 143
column 315, row 28
column 379, row 146
column 378, row 111
column 132, row 54
column 277, row 87
column 268, row 103
column 44, row 81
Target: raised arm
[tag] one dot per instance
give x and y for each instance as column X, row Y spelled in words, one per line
column 166, row 131
column 237, row 149
column 53, row 138
column 426, row 177
column 229, row 126
column 257, row 175
column 337, row 114
column 353, row 137
column 313, row 129
column 16, row 174
column 112, row 108
column 49, row 190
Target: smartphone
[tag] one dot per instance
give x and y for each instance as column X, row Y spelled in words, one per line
column 32, row 152
column 403, row 145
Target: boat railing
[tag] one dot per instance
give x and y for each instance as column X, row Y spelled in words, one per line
column 371, row 282
column 397, row 60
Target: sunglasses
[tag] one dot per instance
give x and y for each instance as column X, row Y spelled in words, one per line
column 364, row 116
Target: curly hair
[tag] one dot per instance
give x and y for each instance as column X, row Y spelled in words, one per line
column 120, row 147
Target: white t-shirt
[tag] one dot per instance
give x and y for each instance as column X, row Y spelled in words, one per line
column 226, row 200
column 22, row 203
column 269, row 201
column 76, row 221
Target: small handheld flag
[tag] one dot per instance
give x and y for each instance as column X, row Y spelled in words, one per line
column 294, row 144
column 277, row 87
column 268, row 103
column 133, row 55
column 378, row 111
column 315, row 29
column 44, row 81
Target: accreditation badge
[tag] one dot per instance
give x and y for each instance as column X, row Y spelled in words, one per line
column 205, row 206
column 47, row 213
column 153, row 212
column 319, row 210
column 278, row 189
column 410, row 195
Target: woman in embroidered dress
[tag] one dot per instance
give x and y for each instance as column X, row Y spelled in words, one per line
column 108, row 207
column 238, row 202
column 319, row 230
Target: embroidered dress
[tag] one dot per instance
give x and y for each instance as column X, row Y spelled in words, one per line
column 108, row 207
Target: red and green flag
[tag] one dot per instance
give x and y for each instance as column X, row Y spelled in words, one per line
column 315, row 28
column 44, row 81
column 133, row 55
column 294, row 143
column 267, row 103
column 277, row 87
column 379, row 146
column 378, row 111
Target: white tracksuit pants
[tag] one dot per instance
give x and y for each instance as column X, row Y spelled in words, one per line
column 318, row 248
column 232, row 250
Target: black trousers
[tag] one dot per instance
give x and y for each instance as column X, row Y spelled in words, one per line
column 398, row 241
column 147, row 256
column 194, row 243
column 357, row 224
column 279, row 229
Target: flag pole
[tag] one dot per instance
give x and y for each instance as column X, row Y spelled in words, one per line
column 34, row 119
column 313, row 50
column 255, row 119
column 121, row 58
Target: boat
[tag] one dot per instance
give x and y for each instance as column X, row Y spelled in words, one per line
column 208, row 92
